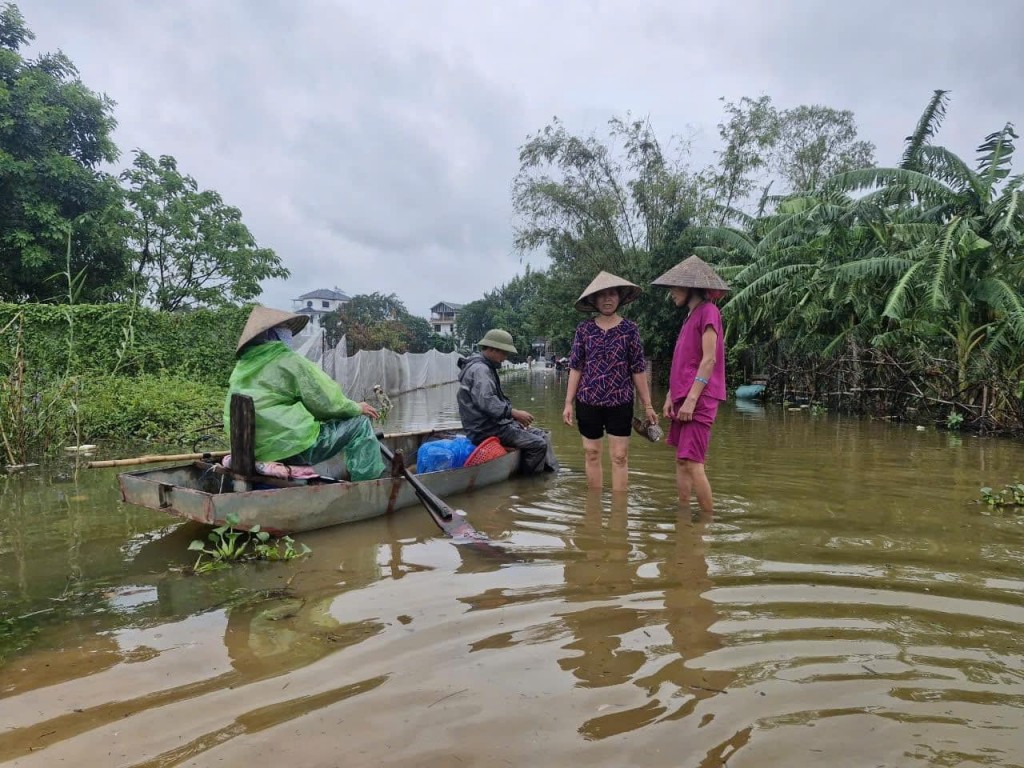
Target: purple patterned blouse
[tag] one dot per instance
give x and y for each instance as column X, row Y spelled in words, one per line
column 607, row 360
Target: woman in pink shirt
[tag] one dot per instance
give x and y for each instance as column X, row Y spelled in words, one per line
column 697, row 377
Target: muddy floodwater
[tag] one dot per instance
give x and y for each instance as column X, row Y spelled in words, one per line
column 849, row 605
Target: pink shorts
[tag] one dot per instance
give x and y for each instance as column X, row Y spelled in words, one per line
column 691, row 438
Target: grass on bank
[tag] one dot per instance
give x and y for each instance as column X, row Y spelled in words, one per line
column 160, row 409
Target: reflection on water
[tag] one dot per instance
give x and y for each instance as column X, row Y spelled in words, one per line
column 651, row 644
column 750, row 408
column 848, row 605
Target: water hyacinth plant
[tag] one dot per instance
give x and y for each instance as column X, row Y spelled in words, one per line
column 226, row 544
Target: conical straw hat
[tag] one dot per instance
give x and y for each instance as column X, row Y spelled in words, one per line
column 264, row 318
column 692, row 273
column 629, row 291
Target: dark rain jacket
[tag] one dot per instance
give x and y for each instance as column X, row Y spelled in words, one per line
column 483, row 407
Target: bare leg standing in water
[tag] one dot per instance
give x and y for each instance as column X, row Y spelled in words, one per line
column 618, row 452
column 690, row 478
column 592, row 458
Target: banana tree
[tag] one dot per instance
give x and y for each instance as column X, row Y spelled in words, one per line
column 956, row 238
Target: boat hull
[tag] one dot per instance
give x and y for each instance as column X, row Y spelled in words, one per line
column 195, row 492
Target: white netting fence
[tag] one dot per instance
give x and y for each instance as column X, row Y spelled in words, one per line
column 396, row 373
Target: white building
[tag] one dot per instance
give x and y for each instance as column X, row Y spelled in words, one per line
column 443, row 316
column 318, row 303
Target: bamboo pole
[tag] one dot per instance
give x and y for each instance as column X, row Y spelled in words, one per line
column 154, row 459
column 218, row 454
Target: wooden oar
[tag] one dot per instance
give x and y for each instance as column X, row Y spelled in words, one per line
column 452, row 522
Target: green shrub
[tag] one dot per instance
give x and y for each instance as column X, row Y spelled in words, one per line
column 60, row 339
column 163, row 409
column 81, row 373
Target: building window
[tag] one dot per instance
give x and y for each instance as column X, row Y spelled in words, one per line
column 326, row 304
column 437, row 328
column 309, row 304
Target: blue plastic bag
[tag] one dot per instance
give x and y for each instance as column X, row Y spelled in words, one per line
column 439, row 455
column 461, row 449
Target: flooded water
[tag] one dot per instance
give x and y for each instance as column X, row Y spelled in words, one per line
column 849, row 605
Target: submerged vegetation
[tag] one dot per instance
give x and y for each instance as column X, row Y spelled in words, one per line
column 226, row 544
column 1011, row 495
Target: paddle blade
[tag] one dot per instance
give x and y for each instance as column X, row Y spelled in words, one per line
column 454, row 524
column 460, row 529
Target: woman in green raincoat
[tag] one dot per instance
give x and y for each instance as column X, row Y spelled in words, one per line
column 302, row 416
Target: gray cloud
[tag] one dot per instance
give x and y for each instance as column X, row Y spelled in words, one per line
column 373, row 145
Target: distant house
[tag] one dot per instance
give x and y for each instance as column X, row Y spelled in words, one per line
column 318, row 303
column 443, row 316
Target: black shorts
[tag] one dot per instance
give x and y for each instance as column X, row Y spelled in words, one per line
column 594, row 420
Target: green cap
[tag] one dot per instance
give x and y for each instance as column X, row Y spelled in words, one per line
column 498, row 339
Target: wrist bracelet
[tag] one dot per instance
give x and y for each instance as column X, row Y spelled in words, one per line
column 702, row 380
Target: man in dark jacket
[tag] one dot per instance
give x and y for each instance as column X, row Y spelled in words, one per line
column 486, row 412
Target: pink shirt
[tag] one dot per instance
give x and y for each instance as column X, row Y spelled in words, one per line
column 688, row 353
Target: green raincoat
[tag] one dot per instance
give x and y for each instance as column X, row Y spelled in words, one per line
column 292, row 396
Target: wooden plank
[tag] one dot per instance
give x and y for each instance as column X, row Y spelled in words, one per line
column 243, row 439
column 243, row 435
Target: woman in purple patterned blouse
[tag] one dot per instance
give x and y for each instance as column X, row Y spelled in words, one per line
column 606, row 369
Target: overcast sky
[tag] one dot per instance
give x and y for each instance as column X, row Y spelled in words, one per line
column 372, row 144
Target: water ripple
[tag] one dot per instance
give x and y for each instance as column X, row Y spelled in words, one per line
column 847, row 605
